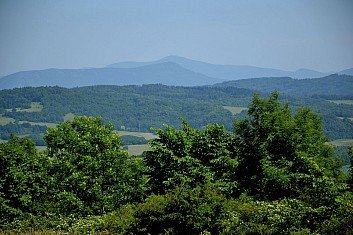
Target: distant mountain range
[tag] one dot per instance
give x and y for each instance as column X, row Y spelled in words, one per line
column 225, row 72
column 171, row 70
column 163, row 73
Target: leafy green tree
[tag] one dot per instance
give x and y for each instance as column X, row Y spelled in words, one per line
column 350, row 179
column 92, row 174
column 23, row 178
column 192, row 157
column 282, row 155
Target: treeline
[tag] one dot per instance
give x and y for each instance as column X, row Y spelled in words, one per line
column 273, row 174
column 138, row 108
column 23, row 129
column 333, row 84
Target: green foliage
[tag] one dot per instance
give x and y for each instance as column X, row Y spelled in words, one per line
column 183, row 210
column 23, row 178
column 341, row 221
column 192, row 157
column 91, row 173
column 274, row 175
column 284, row 156
column 351, row 168
column 138, row 108
column 286, row 216
column 21, row 129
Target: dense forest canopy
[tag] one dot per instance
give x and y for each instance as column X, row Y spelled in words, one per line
column 330, row 85
column 138, row 108
column 272, row 174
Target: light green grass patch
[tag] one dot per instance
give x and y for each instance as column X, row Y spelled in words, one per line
column 341, row 101
column 342, row 142
column 36, row 107
column 146, row 135
column 138, row 149
column 235, row 109
column 69, row 117
column 5, row 120
column 350, row 118
column 41, row 148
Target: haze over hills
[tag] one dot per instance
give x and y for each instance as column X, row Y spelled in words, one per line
column 166, row 73
column 171, row 70
column 347, row 71
column 226, row 72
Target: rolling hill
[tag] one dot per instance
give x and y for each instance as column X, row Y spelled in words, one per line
column 330, row 85
column 347, row 72
column 166, row 73
column 171, row 70
column 226, row 72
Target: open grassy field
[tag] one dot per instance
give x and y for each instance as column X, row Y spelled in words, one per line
column 35, row 107
column 41, row 148
column 235, row 109
column 48, row 124
column 137, row 149
column 342, row 142
column 344, row 118
column 69, row 117
column 147, row 136
column 342, row 101
column 5, row 120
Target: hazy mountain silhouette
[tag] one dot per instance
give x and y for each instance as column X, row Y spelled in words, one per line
column 226, row 72
column 163, row 73
column 347, row 71
column 171, row 70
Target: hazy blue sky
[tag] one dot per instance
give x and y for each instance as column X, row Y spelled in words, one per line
column 283, row 34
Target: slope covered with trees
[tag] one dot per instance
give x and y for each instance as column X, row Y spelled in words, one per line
column 273, row 174
column 329, row 85
column 138, row 108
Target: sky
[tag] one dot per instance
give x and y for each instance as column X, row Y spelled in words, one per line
column 281, row 34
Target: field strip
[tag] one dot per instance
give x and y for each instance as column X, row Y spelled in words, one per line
column 48, row 124
column 138, row 149
column 342, row 142
column 235, row 109
column 350, row 102
column 146, row 135
column 5, row 120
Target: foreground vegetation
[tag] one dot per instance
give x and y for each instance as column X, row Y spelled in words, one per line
column 273, row 174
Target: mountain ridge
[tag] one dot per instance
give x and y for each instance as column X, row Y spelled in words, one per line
column 170, row 70
column 164, row 73
column 226, row 72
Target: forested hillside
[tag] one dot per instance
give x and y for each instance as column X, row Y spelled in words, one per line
column 330, row 85
column 138, row 108
column 273, row 174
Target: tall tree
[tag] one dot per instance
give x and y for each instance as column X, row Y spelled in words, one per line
column 92, row 174
column 192, row 157
column 282, row 155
